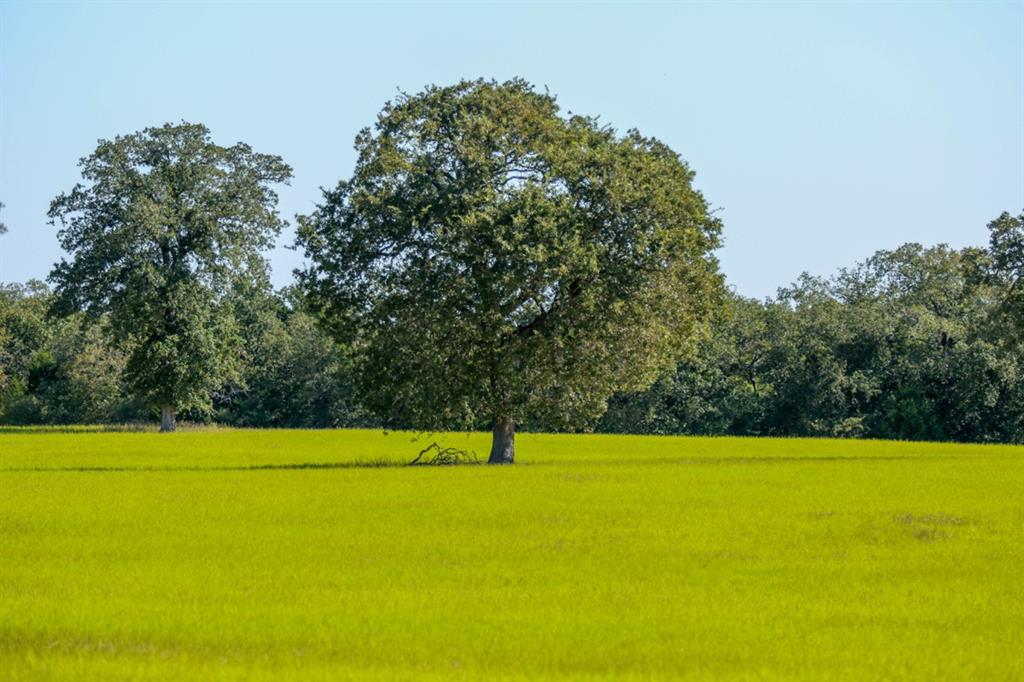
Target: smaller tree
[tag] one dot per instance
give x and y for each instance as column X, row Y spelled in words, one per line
column 164, row 224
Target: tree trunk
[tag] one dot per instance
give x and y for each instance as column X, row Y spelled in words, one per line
column 167, row 419
column 503, row 447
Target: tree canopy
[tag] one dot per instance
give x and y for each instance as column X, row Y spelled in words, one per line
column 493, row 260
column 164, row 223
column 1006, row 271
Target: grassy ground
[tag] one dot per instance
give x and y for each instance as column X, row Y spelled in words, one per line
column 227, row 555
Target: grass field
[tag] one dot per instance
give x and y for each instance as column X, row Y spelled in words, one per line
column 268, row 555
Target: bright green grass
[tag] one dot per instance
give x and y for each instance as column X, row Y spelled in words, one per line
column 137, row 555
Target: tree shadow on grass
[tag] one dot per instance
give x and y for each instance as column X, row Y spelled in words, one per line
column 417, row 463
column 372, row 464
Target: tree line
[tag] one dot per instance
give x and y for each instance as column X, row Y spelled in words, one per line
column 916, row 343
column 490, row 263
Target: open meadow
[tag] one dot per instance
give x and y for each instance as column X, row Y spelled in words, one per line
column 270, row 555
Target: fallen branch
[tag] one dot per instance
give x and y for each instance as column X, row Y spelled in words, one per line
column 435, row 455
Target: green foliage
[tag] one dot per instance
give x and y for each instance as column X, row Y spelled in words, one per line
column 490, row 258
column 23, row 332
column 63, row 371
column 911, row 344
column 56, row 371
column 293, row 373
column 723, row 387
column 1006, row 274
column 166, row 222
column 615, row 558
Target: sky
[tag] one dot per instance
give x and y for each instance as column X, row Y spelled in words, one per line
column 823, row 132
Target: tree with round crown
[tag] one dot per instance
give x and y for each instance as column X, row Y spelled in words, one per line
column 491, row 260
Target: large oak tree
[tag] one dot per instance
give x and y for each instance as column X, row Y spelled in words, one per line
column 493, row 260
column 165, row 221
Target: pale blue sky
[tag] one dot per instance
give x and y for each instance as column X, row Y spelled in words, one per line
column 823, row 131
